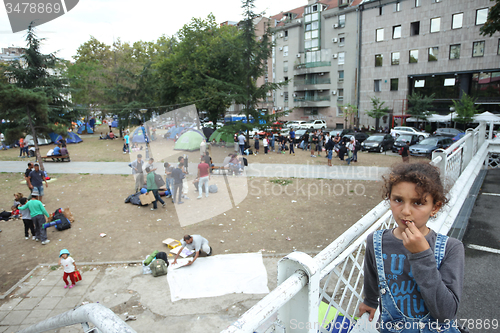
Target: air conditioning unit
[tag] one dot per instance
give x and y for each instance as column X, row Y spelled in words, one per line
column 335, row 26
column 281, row 94
column 280, row 35
column 335, row 40
column 321, row 74
column 294, row 95
column 298, row 55
column 279, row 108
column 334, row 92
column 281, row 49
column 335, row 56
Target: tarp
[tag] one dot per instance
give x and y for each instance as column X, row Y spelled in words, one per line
column 114, row 123
column 189, row 140
column 220, row 136
column 222, row 274
column 71, row 138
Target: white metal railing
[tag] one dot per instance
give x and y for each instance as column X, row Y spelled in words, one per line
column 333, row 280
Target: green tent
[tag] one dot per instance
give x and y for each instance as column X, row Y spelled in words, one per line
column 190, row 140
column 218, row 136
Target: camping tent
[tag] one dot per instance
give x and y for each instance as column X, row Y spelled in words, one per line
column 71, row 138
column 218, row 136
column 208, row 132
column 172, row 132
column 40, row 139
column 189, row 140
column 138, row 136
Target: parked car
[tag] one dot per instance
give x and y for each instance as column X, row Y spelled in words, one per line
column 341, row 132
column 295, row 123
column 449, row 132
column 401, row 141
column 409, row 130
column 298, row 134
column 378, row 142
column 314, row 124
column 427, row 146
column 360, row 136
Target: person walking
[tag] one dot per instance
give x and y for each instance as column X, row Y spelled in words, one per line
column 257, row 143
column 37, row 212
column 314, row 142
column 350, row 150
column 405, row 152
column 36, row 179
column 241, row 143
column 137, row 171
column 203, row 177
column 292, row 144
column 178, row 176
column 151, row 184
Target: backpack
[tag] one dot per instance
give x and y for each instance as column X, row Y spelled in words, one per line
column 159, row 180
column 158, row 267
column 162, row 256
column 59, row 215
column 213, row 188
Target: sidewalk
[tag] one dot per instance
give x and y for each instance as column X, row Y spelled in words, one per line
column 125, row 290
column 253, row 170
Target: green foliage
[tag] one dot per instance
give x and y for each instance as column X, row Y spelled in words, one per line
column 282, row 182
column 465, row 108
column 492, row 24
column 350, row 112
column 378, row 110
column 419, row 105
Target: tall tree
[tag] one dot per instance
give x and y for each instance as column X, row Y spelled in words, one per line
column 39, row 75
column 492, row 24
column 378, row 110
column 419, row 105
column 465, row 108
column 350, row 111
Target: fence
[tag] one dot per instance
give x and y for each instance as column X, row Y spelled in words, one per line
column 322, row 294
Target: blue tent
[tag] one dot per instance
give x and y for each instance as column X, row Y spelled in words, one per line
column 174, row 131
column 138, row 136
column 72, row 138
column 114, row 123
column 81, row 129
column 89, row 129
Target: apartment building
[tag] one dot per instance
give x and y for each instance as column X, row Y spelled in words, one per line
column 427, row 46
column 11, row 54
column 316, row 51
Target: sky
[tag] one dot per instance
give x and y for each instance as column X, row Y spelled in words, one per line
column 130, row 21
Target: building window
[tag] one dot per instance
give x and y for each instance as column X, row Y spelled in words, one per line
column 286, row 33
column 380, row 10
column 340, row 95
column 285, row 51
column 478, row 49
column 285, row 94
column 413, row 56
column 395, row 58
column 376, row 85
column 341, row 41
column 394, row 84
column 481, row 16
column 457, row 20
column 396, row 31
column 455, row 51
column 435, row 24
column 417, row 3
column 379, row 35
column 341, row 75
column 436, row 1
column 397, row 6
column 340, row 112
column 285, row 66
column 342, row 21
column 311, row 112
column 415, row 28
column 341, row 58
column 498, row 51
column 379, row 59
column 433, row 54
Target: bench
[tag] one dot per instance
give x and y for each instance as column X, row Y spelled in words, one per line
column 56, row 158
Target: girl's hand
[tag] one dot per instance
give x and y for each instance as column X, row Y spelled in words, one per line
column 365, row 308
column 413, row 239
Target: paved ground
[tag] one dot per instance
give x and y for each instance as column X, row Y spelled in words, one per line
column 253, row 170
column 125, row 290
column 481, row 240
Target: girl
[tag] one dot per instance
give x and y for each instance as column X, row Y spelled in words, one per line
column 28, row 222
column 265, row 143
column 416, row 273
column 17, row 198
column 69, row 268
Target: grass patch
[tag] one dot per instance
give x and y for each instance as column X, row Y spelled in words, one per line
column 282, row 182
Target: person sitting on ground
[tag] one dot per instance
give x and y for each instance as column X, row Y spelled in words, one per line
column 234, row 165
column 111, row 135
column 102, row 137
column 195, row 243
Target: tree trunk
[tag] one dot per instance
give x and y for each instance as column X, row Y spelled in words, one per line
column 35, row 141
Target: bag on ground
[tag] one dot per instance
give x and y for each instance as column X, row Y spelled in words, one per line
column 163, row 256
column 59, row 215
column 158, row 267
column 150, row 258
column 213, row 188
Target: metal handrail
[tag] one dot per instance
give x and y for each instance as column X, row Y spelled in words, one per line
column 100, row 316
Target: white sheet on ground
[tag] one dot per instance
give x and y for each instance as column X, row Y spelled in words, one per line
column 218, row 275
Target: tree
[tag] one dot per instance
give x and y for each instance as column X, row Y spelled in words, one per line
column 350, row 111
column 465, row 108
column 492, row 24
column 419, row 105
column 38, row 75
column 378, row 110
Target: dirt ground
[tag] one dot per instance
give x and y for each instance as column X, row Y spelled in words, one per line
column 304, row 215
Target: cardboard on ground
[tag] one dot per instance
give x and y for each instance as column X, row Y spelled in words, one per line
column 171, row 243
column 185, row 252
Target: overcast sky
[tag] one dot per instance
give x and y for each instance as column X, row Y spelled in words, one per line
column 130, row 20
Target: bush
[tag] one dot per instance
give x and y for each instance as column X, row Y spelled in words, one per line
column 428, row 128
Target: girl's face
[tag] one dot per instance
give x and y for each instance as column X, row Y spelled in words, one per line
column 407, row 205
column 64, row 256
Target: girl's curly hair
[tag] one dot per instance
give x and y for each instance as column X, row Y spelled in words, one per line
column 425, row 176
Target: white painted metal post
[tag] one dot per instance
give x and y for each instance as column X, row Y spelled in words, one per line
column 468, row 149
column 490, row 134
column 300, row 314
column 442, row 162
column 482, row 134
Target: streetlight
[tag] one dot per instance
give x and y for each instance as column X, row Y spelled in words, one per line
column 146, row 139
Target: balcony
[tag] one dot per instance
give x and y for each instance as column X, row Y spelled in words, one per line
column 305, row 82
column 319, row 101
column 313, row 64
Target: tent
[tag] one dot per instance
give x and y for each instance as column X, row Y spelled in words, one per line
column 40, row 139
column 189, row 140
column 98, row 122
column 218, row 136
column 72, row 138
column 89, row 129
column 487, row 117
column 138, row 136
column 172, row 132
column 208, row 132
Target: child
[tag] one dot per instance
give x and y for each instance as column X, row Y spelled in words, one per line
column 37, row 212
column 15, row 212
column 417, row 273
column 17, row 198
column 69, row 266
column 28, row 223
